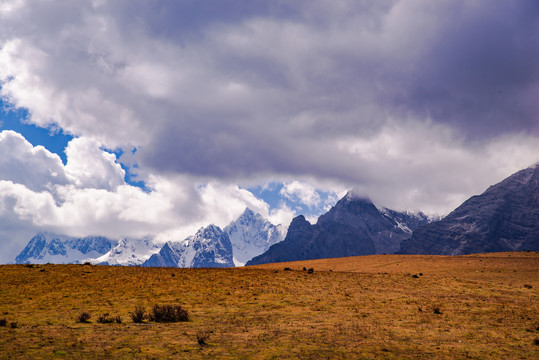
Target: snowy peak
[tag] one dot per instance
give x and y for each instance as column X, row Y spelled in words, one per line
column 209, row 247
column 128, row 252
column 251, row 235
column 50, row 248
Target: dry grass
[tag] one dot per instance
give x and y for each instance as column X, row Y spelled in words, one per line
column 472, row 307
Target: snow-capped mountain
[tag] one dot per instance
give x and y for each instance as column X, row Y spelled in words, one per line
column 58, row 249
column 251, row 235
column 209, row 247
column 128, row 252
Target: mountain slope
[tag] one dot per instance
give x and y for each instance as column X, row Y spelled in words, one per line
column 50, row 248
column 209, row 247
column 504, row 218
column 251, row 235
column 354, row 226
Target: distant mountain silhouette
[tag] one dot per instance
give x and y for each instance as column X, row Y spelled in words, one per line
column 504, row 218
column 354, row 226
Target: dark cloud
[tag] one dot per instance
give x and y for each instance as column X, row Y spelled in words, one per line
column 386, row 96
column 479, row 71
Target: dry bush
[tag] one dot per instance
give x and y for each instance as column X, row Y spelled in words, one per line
column 139, row 314
column 106, row 319
column 202, row 338
column 84, row 317
column 168, row 313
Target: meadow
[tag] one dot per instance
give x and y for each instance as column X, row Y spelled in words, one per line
column 371, row 307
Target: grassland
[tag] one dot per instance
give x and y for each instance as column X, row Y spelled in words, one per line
column 386, row 307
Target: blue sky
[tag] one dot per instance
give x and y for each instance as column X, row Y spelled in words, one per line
column 53, row 139
column 278, row 106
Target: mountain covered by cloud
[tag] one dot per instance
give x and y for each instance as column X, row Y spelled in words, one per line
column 178, row 112
column 503, row 218
column 353, row 227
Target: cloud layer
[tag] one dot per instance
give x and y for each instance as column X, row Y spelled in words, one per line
column 417, row 104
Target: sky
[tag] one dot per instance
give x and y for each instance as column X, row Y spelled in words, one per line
column 135, row 118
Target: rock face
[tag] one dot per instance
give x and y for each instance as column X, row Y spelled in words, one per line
column 251, row 235
column 354, row 226
column 209, row 247
column 50, row 248
column 504, row 218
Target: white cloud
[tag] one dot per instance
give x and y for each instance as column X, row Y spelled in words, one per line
column 90, row 167
column 301, row 192
column 34, row 167
column 88, row 196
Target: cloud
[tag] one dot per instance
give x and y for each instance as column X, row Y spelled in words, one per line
column 88, row 196
column 35, row 167
column 90, row 167
column 304, row 193
column 419, row 104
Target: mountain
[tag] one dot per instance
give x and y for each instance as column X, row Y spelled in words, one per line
column 58, row 249
column 251, row 235
column 504, row 218
column 128, row 252
column 354, row 226
column 209, row 247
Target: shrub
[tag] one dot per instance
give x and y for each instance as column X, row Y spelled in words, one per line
column 528, row 286
column 202, row 338
column 287, row 269
column 84, row 317
column 139, row 314
column 436, row 310
column 310, row 271
column 105, row 319
column 13, row 325
column 3, row 322
column 168, row 313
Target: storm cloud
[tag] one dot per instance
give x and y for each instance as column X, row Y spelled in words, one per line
column 417, row 104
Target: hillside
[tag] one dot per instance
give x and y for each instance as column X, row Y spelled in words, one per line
column 382, row 306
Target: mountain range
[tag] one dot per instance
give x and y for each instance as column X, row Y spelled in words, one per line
column 504, row 218
column 242, row 239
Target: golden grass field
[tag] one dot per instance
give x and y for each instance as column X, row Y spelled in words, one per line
column 372, row 307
